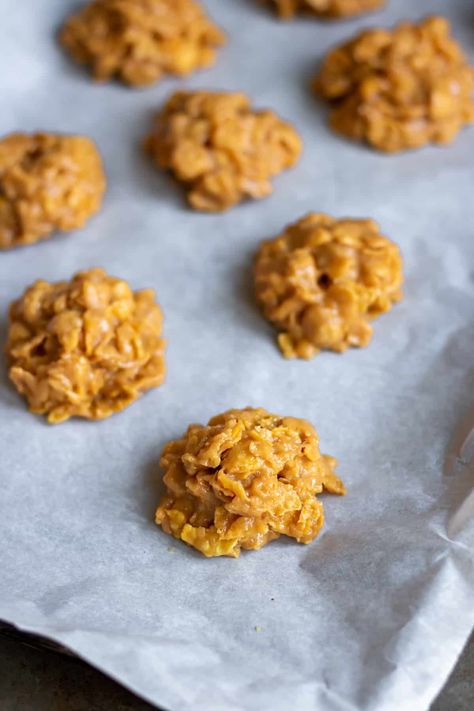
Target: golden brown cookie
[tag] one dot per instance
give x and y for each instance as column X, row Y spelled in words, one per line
column 85, row 348
column 141, row 41
column 322, row 281
column 220, row 148
column 324, row 8
column 399, row 89
column 243, row 480
column 48, row 182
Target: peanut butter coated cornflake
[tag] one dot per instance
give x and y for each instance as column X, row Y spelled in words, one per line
column 243, row 480
column 399, row 89
column 323, row 280
column 325, row 8
column 140, row 41
column 48, row 182
column 221, row 149
column 85, row 348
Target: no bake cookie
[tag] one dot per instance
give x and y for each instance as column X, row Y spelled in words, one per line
column 141, row 41
column 322, row 281
column 48, row 182
column 399, row 89
column 84, row 348
column 244, row 479
column 324, row 8
column 221, row 149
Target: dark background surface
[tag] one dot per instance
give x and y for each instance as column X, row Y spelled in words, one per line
column 35, row 679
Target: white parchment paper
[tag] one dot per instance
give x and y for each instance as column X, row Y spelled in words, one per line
column 374, row 613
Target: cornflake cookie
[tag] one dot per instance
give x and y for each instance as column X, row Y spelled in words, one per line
column 140, row 41
column 48, row 182
column 399, row 89
column 243, row 480
column 85, row 348
column 323, row 280
column 325, row 8
column 220, row 148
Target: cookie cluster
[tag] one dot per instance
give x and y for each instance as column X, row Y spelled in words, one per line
column 244, row 479
column 85, row 348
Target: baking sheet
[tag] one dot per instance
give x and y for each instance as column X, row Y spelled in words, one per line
column 374, row 613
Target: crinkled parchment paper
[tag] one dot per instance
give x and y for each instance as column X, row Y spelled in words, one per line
column 374, row 613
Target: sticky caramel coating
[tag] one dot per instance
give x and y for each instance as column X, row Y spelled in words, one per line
column 141, row 41
column 48, row 182
column 243, row 480
column 323, row 280
column 220, row 148
column 85, row 348
column 325, row 8
column 399, row 89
